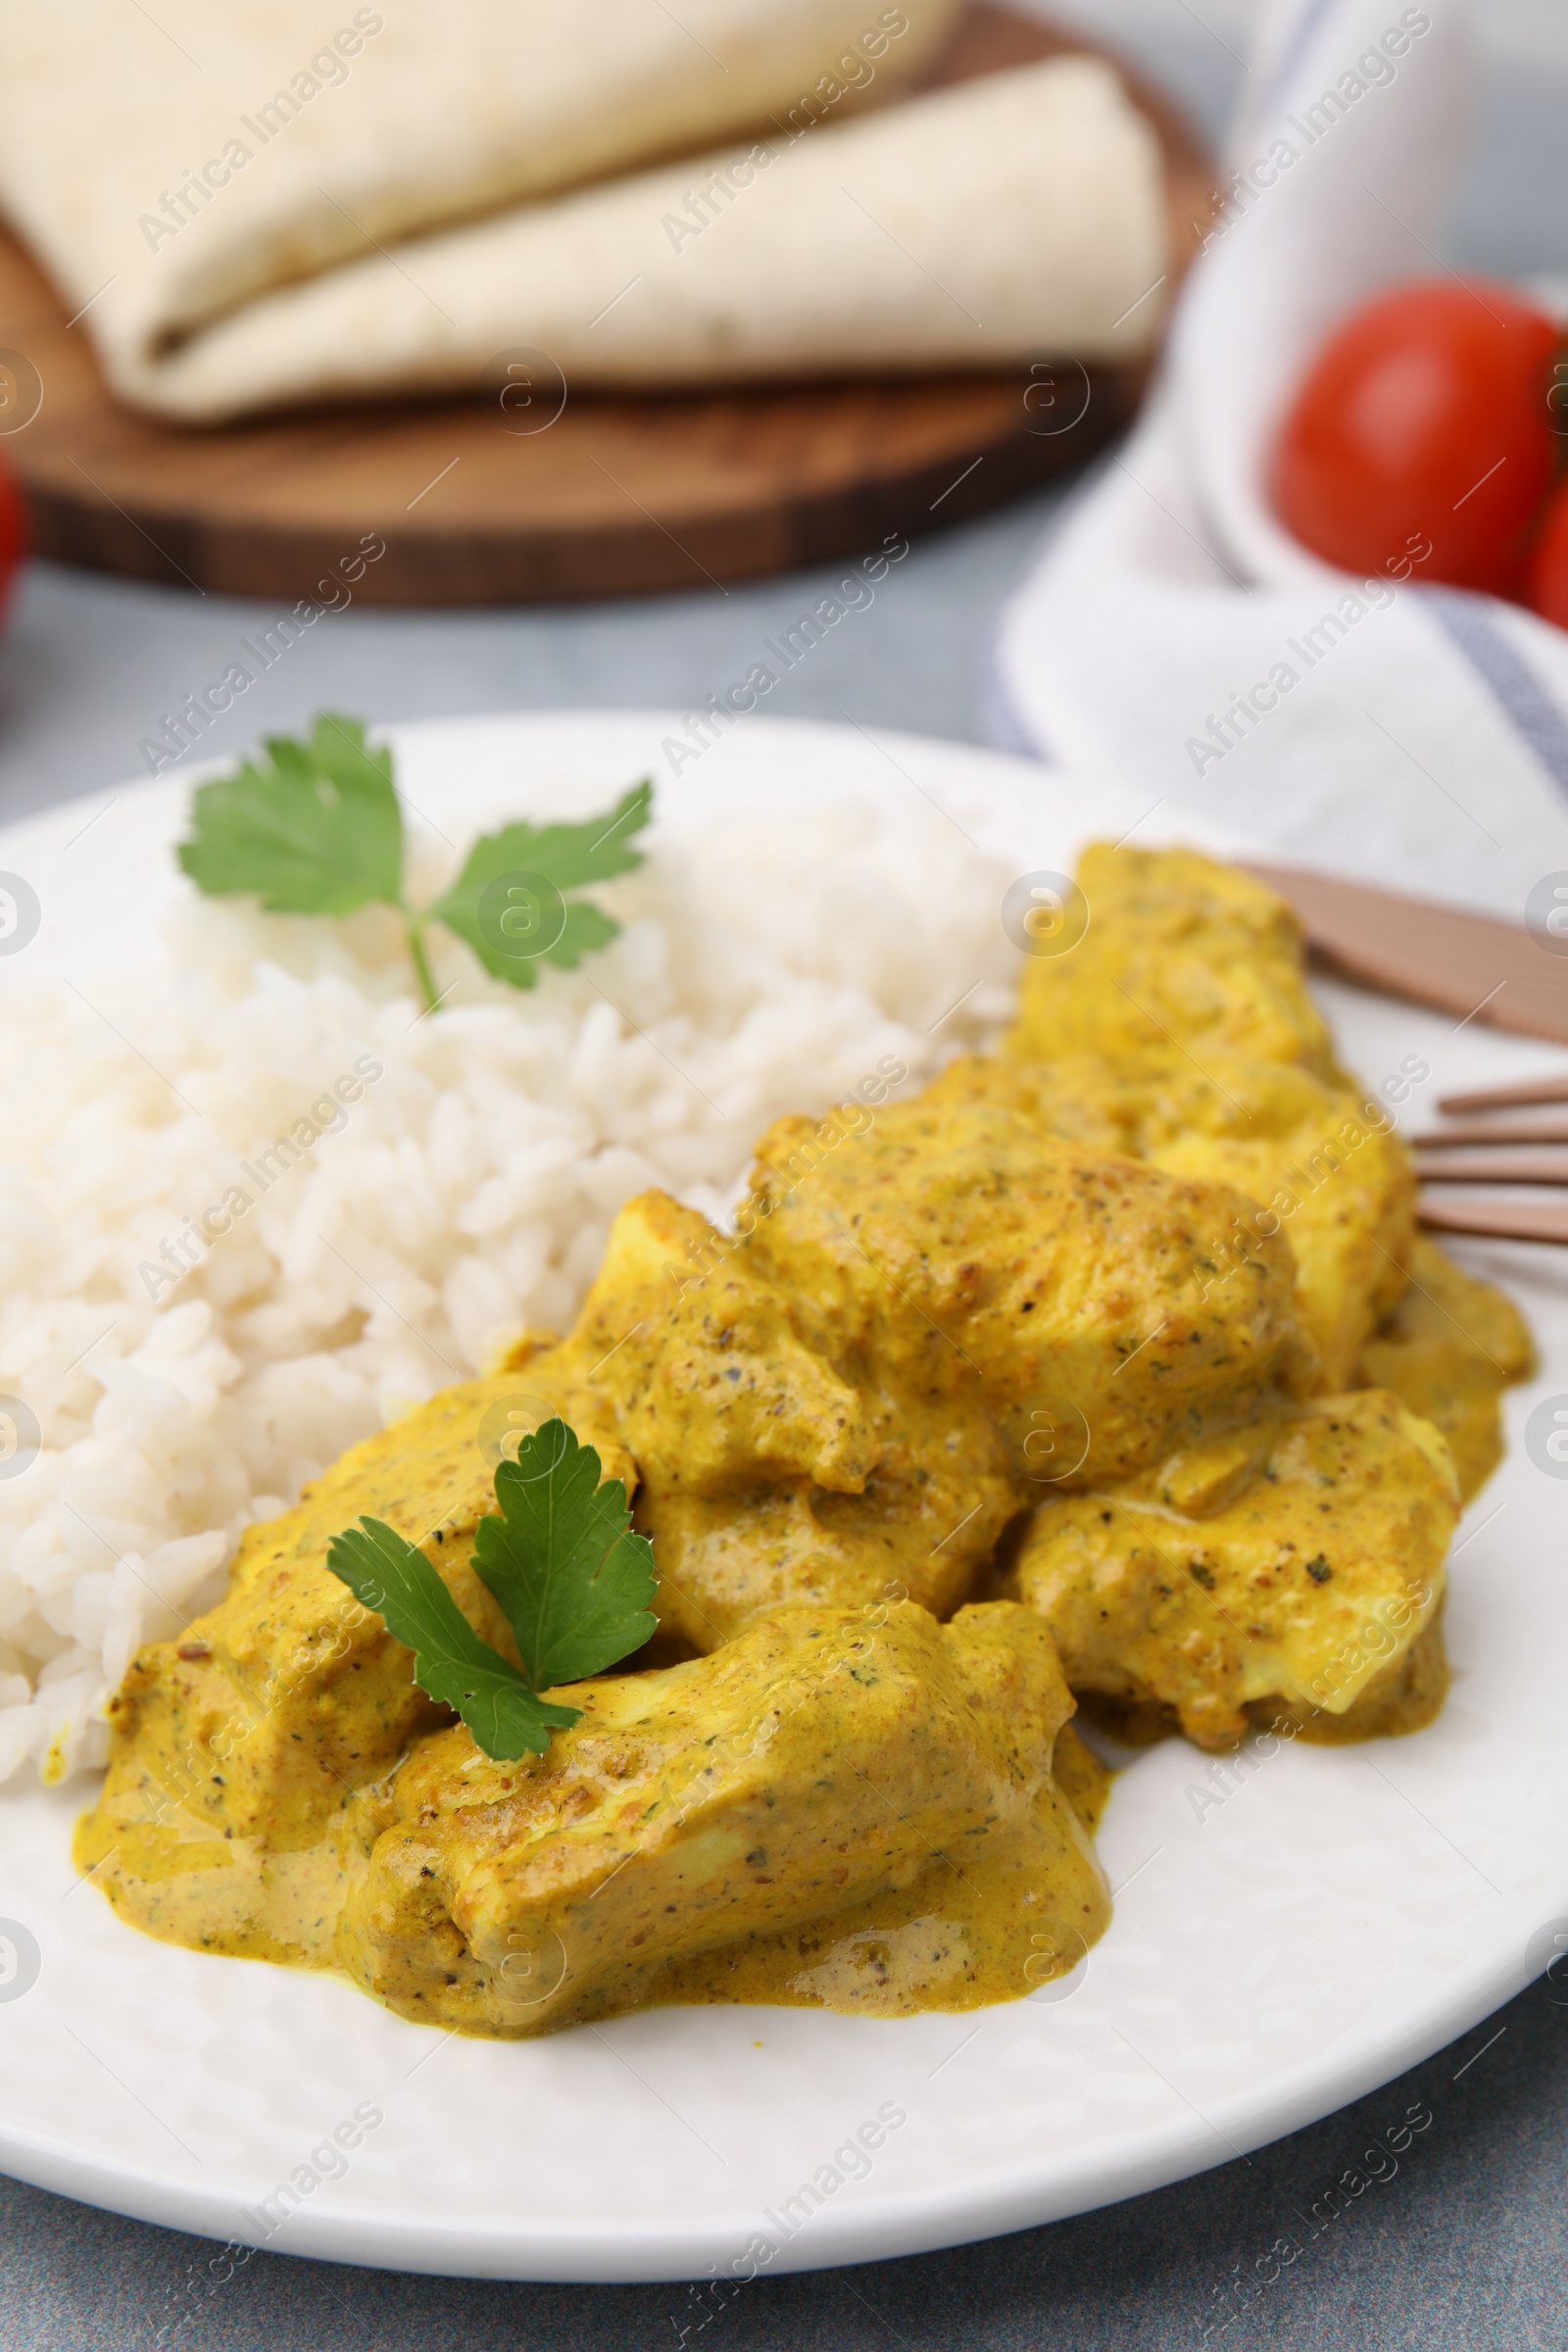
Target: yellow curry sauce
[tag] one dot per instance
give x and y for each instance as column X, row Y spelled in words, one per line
column 1088, row 1372
column 836, row 1807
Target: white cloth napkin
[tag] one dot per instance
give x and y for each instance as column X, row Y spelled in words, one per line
column 1421, row 738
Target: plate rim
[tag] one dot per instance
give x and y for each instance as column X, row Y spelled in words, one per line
column 910, row 2223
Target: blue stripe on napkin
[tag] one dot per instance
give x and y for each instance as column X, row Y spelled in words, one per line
column 1468, row 621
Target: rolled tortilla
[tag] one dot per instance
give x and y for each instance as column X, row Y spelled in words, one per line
column 171, row 163
column 1019, row 214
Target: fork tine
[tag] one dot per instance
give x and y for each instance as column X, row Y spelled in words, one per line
column 1505, row 1098
column 1492, row 1131
column 1508, row 1220
column 1499, row 1168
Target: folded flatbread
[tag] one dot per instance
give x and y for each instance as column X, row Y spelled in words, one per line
column 1016, row 214
column 168, row 162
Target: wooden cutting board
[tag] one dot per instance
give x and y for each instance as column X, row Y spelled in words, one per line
column 618, row 496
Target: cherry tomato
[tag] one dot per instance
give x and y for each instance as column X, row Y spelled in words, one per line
column 1546, row 582
column 1423, row 424
column 13, row 535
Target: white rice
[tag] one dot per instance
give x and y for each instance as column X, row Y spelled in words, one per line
column 465, row 1193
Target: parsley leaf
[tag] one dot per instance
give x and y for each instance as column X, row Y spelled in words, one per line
column 561, row 857
column 586, row 928
column 568, row 855
column 499, row 1705
column 315, row 829
column 572, row 1581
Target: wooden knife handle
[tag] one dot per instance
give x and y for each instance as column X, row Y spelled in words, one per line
column 1470, row 964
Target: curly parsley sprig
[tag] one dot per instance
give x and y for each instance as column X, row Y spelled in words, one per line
column 572, row 1581
column 316, row 829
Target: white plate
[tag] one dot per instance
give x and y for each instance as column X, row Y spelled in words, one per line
column 1338, row 1916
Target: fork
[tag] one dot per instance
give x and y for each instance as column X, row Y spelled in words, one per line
column 1491, row 1151
column 1489, row 971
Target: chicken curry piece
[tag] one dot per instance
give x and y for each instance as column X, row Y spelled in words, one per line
column 1314, row 1161
column 279, row 1701
column 854, row 1392
column 822, row 1800
column 1288, row 1562
column 1110, row 1367
column 1180, row 951
column 834, row 1809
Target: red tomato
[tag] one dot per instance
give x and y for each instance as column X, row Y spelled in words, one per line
column 13, row 536
column 1546, row 582
column 1423, row 423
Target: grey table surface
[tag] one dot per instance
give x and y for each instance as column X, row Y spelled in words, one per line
column 1466, row 2245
